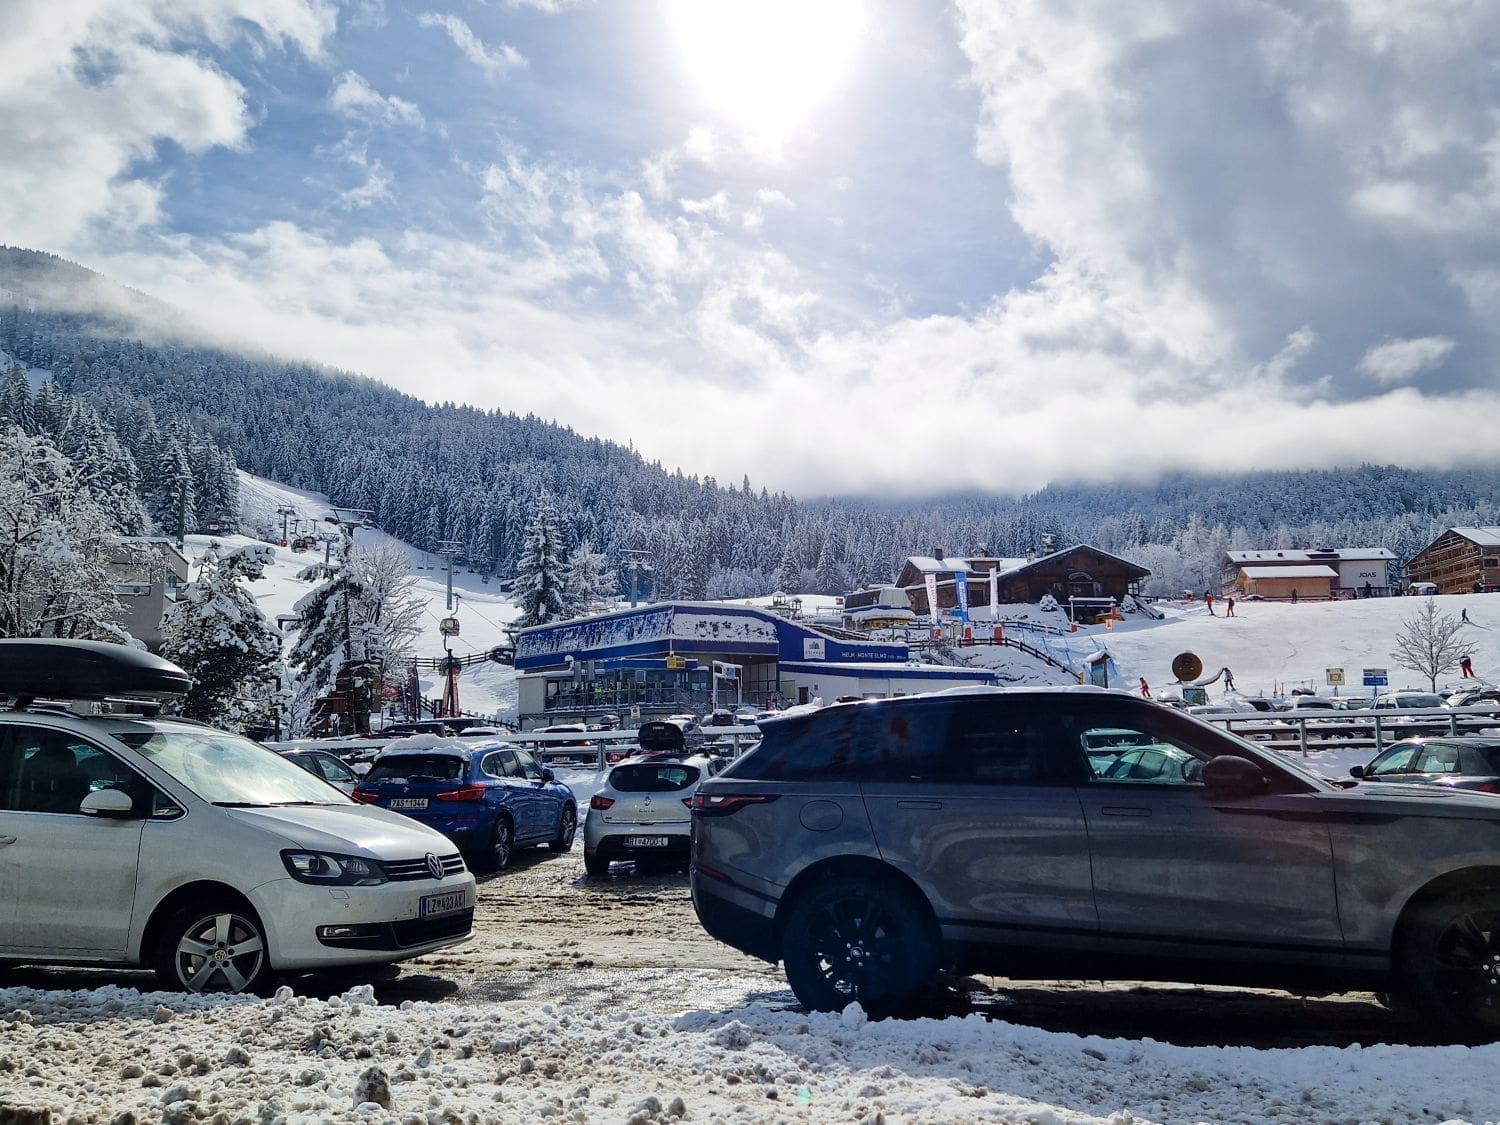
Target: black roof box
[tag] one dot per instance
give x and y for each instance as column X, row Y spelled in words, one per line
column 58, row 669
column 659, row 736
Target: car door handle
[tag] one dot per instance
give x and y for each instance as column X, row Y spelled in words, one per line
column 6, row 840
column 1122, row 810
column 919, row 804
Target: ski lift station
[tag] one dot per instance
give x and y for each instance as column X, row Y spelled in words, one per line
column 672, row 657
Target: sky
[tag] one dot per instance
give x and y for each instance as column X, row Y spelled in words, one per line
column 845, row 247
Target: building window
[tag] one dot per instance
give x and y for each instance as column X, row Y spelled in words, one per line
column 1492, row 562
column 133, row 589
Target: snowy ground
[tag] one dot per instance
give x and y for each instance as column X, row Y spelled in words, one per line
column 98, row 1055
column 693, row 1032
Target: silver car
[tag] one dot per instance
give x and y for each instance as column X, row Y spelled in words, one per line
column 641, row 812
column 868, row 846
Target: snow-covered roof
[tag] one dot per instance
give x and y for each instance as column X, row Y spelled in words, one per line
column 1484, row 536
column 1290, row 572
column 925, row 564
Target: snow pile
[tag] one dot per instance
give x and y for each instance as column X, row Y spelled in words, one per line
column 110, row 1052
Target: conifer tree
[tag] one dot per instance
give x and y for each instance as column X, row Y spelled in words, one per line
column 589, row 582
column 540, row 577
column 217, row 633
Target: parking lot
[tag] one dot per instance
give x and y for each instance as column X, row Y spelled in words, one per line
column 546, row 933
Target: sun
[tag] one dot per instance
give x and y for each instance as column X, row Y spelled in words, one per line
column 765, row 65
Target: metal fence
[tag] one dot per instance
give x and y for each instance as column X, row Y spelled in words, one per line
column 1349, row 730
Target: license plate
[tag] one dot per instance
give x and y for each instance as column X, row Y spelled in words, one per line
column 446, row 903
column 408, row 802
column 645, row 841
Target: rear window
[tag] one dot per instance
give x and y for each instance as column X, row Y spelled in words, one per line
column 435, row 767
column 653, row 779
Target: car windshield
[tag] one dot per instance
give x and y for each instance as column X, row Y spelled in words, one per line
column 226, row 769
column 428, row 767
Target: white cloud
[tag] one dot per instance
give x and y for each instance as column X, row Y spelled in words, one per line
column 88, row 88
column 766, row 199
column 716, row 206
column 550, row 7
column 1233, row 171
column 493, row 60
column 1398, row 360
column 354, row 97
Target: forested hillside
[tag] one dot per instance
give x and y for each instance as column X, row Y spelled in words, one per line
column 451, row 472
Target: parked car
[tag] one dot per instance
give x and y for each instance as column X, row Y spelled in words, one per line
column 1465, row 761
column 417, row 726
column 641, row 812
column 868, row 846
column 1406, row 700
column 167, row 844
column 320, row 763
column 488, row 797
column 1473, row 697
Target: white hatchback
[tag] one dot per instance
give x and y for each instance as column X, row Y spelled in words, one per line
column 127, row 840
column 642, row 812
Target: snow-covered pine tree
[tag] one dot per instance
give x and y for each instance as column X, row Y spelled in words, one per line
column 540, row 578
column 335, row 632
column 218, row 635
column 589, row 582
column 55, row 543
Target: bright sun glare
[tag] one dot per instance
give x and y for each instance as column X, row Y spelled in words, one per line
column 765, row 64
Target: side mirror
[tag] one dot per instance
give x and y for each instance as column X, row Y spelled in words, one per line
column 547, row 774
column 1356, row 771
column 109, row 803
column 1230, row 775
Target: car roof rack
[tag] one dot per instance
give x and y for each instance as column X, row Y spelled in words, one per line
column 64, row 670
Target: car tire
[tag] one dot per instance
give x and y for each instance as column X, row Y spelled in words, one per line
column 850, row 938
column 214, row 947
column 1447, row 968
column 502, row 846
column 595, row 866
column 567, row 828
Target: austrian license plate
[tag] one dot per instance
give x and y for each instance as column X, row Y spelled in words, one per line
column 645, row 841
column 446, row 903
column 408, row 802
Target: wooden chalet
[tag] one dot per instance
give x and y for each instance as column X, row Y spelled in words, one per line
column 1078, row 572
column 1462, row 560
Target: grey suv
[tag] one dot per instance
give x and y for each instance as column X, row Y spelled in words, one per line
column 870, row 845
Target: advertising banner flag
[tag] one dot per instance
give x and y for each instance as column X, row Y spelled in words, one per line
column 932, row 605
column 961, row 595
column 995, row 592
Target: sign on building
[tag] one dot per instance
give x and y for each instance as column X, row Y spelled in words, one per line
column 812, row 648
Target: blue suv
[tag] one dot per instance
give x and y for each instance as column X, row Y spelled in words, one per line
column 489, row 799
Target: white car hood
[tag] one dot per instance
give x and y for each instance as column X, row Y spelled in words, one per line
column 358, row 829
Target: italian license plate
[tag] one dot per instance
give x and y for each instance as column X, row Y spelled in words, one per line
column 645, row 841
column 408, row 802
column 446, row 903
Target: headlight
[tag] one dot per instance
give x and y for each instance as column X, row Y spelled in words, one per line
column 333, row 870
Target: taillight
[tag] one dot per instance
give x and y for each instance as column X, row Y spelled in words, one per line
column 466, row 793
column 600, row 803
column 688, row 801
column 716, row 804
column 365, row 796
column 1489, row 787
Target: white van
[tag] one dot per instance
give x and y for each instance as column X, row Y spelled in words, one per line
column 140, row 841
column 1422, row 588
